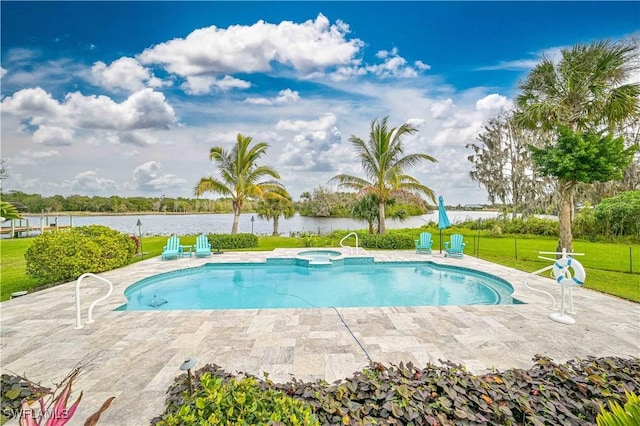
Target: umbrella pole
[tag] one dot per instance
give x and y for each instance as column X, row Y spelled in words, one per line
column 440, row 241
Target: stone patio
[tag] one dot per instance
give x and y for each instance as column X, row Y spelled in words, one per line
column 135, row 356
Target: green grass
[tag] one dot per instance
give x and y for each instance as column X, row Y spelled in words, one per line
column 611, row 268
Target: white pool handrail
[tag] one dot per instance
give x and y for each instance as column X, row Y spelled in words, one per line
column 347, row 236
column 89, row 314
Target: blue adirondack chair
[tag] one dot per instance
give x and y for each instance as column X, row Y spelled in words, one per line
column 423, row 245
column 172, row 249
column 203, row 247
column 454, row 247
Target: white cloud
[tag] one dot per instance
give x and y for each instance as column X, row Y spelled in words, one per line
column 123, row 74
column 394, row 65
column 18, row 56
column 56, row 121
column 493, row 102
column 34, row 103
column 422, row 66
column 311, row 146
column 439, row 109
column 201, row 85
column 51, row 135
column 321, row 124
column 148, row 177
column 526, row 64
column 2, row 72
column 32, row 157
column 285, row 96
column 89, row 182
column 416, row 122
column 307, row 47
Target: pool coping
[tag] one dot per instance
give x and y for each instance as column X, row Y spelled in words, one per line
column 135, row 355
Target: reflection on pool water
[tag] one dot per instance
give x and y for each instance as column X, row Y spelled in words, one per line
column 278, row 285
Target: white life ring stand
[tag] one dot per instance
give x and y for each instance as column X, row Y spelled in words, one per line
column 562, row 264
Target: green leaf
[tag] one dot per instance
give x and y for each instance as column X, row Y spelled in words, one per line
column 12, row 393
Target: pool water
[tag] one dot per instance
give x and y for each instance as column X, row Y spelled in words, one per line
column 257, row 286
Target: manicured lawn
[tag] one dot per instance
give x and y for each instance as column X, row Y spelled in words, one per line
column 611, row 268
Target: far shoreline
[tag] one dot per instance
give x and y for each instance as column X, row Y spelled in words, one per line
column 149, row 213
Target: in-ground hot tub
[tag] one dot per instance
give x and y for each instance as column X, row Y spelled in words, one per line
column 320, row 256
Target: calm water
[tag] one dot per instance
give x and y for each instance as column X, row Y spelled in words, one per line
column 221, row 223
column 256, row 286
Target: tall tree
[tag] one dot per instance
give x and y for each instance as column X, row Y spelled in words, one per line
column 582, row 157
column 3, row 172
column 384, row 163
column 240, row 178
column 503, row 165
column 275, row 207
column 587, row 90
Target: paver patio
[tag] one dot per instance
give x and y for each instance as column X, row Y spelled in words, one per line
column 136, row 355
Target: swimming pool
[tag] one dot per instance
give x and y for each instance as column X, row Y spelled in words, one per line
column 275, row 285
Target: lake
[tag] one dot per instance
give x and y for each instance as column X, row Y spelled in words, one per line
column 167, row 224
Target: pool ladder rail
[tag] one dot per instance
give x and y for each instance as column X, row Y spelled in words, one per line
column 560, row 317
column 89, row 316
column 351, row 249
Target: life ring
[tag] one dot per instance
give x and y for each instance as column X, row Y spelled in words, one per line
column 562, row 264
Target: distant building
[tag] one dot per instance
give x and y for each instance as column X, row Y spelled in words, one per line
column 473, row 206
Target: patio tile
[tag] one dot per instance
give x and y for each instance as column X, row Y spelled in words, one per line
column 135, row 356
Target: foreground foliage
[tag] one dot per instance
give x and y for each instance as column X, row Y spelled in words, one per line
column 20, row 393
column 628, row 415
column 546, row 394
column 65, row 255
column 239, row 401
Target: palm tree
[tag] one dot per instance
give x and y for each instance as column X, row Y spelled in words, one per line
column 586, row 90
column 384, row 164
column 239, row 175
column 274, row 207
column 9, row 211
column 366, row 209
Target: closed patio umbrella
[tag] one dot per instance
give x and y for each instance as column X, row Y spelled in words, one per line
column 443, row 219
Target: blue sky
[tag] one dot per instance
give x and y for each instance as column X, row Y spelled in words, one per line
column 127, row 98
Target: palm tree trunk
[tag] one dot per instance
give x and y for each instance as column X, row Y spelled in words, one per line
column 565, row 217
column 236, row 220
column 382, row 228
column 275, row 225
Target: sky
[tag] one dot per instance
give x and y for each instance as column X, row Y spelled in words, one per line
column 127, row 98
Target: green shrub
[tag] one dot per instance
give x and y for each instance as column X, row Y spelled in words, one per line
column 546, row 394
column 233, row 241
column 309, row 239
column 531, row 225
column 585, row 224
column 629, row 415
column 65, row 255
column 386, row 241
column 619, row 215
column 16, row 389
column 238, row 401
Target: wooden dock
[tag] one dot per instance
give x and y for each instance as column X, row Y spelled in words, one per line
column 25, row 230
